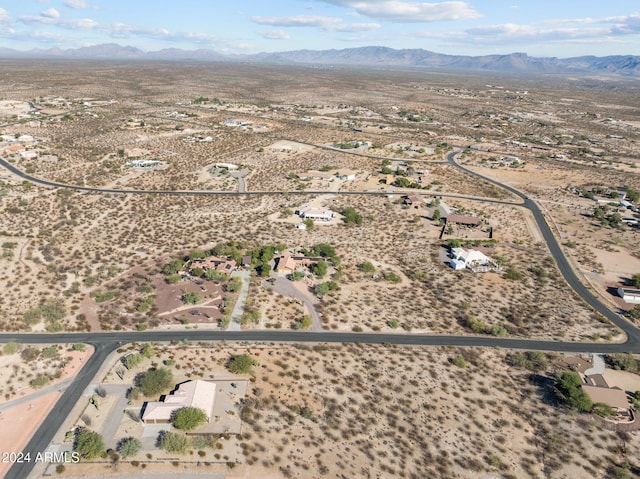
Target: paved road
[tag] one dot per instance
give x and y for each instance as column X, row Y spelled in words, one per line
column 107, row 342
column 633, row 333
column 53, row 184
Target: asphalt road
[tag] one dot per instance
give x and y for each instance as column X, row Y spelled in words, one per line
column 53, row 184
column 105, row 343
column 633, row 334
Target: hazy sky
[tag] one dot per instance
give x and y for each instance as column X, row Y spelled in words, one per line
column 559, row 28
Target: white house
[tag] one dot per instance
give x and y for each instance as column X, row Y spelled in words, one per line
column 471, row 259
column 28, row 155
column 631, row 296
column 198, row 394
column 316, row 214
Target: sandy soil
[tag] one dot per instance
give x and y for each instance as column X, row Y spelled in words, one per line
column 20, row 422
column 429, row 413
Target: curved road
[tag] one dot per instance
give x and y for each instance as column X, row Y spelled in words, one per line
column 633, row 333
column 89, row 189
column 105, row 343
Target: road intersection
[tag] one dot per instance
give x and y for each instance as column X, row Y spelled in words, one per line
column 106, row 343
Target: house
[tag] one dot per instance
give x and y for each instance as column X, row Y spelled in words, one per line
column 28, row 155
column 227, row 166
column 316, row 214
column 213, row 262
column 629, row 295
column 413, row 200
column 286, row 264
column 471, row 259
column 346, row 176
column 199, row 394
column 463, row 220
column 613, row 397
column 301, row 226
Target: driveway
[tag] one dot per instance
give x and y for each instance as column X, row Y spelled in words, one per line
column 289, row 288
column 238, row 309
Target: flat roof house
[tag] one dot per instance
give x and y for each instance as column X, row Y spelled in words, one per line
column 463, row 220
column 614, row 397
column 198, row 393
column 630, row 295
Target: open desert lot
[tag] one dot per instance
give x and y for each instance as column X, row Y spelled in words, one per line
column 372, row 411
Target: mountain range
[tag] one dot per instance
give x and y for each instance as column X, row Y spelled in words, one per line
column 363, row 56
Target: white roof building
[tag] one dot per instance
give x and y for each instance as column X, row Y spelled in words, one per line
column 198, row 394
column 472, row 259
column 631, row 296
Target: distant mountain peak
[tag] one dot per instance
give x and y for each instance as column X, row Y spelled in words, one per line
column 379, row 56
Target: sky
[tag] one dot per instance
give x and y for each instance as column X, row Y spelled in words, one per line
column 558, row 28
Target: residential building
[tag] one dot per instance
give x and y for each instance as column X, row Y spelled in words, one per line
column 222, row 265
column 629, row 295
column 199, row 394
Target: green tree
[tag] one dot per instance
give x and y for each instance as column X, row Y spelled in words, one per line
column 173, row 278
column 188, row 418
column 436, row 215
column 191, row 297
column 241, row 364
column 320, row 268
column 635, row 312
column 325, row 250
column 309, row 224
column 234, row 284
column 89, row 444
column 155, row 381
column 174, row 442
column 304, row 323
column 322, row 289
column 635, row 280
column 367, row 267
column 133, row 360
column 570, row 387
column 633, row 195
column 351, row 216
column 129, row 447
column 173, row 267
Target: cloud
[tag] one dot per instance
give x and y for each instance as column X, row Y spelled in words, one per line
column 4, row 15
column 328, row 24
column 297, row 21
column 77, row 4
column 511, row 34
column 274, row 34
column 52, row 17
column 353, row 27
column 410, row 12
column 51, row 13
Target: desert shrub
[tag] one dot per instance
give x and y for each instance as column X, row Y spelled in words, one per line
column 129, row 447
column 133, row 360
column 89, row 444
column 174, row 442
column 241, row 364
column 155, row 381
column 188, row 418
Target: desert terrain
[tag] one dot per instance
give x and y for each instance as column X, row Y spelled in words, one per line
column 372, row 411
column 235, row 196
